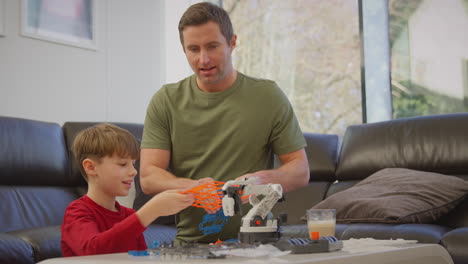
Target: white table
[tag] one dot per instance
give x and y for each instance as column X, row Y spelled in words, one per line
column 397, row 254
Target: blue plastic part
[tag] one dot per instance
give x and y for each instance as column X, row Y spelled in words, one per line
column 138, row 253
column 155, row 244
column 213, row 223
column 330, row 238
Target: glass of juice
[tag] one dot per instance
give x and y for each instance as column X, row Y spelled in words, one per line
column 321, row 222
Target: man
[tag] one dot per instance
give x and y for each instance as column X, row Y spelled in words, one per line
column 217, row 124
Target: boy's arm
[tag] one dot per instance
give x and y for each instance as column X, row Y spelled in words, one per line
column 154, row 177
column 166, row 203
column 81, row 234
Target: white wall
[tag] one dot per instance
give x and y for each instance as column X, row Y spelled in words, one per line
column 176, row 64
column 57, row 83
column 138, row 51
column 53, row 82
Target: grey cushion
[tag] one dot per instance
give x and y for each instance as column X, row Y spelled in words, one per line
column 397, row 195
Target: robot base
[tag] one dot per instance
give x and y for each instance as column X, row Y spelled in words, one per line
column 258, row 237
column 307, row 245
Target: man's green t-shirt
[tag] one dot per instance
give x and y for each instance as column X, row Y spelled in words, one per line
column 221, row 135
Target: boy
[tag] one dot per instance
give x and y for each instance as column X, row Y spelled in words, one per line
column 96, row 223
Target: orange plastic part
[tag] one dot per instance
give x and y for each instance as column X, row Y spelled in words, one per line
column 208, row 195
column 314, row 235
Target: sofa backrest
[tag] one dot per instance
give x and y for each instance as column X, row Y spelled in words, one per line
column 35, row 184
column 436, row 143
column 71, row 129
column 322, row 153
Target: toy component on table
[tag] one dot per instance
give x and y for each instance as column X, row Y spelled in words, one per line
column 258, row 226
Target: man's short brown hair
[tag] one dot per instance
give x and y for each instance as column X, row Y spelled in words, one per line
column 202, row 13
column 104, row 140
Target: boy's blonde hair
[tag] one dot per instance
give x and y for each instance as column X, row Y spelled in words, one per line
column 104, row 140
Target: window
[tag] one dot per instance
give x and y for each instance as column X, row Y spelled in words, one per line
column 311, row 49
column 465, row 82
column 428, row 40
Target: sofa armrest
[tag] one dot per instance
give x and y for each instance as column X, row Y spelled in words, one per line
column 45, row 241
column 15, row 250
column 456, row 243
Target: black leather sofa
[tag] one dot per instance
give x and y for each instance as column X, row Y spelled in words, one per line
column 38, row 178
column 436, row 143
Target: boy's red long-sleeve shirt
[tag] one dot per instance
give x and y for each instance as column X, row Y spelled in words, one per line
column 90, row 229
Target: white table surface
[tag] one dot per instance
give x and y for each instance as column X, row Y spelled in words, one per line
column 396, row 254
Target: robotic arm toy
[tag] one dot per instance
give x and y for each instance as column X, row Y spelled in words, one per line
column 256, row 224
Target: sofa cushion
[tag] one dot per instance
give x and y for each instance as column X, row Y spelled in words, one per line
column 458, row 217
column 398, row 195
column 423, row 233
column 33, row 206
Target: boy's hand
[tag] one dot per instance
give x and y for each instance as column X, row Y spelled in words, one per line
column 171, row 202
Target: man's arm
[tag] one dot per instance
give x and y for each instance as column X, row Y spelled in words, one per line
column 293, row 173
column 154, row 177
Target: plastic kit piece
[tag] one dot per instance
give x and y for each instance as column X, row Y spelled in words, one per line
column 138, row 253
column 213, row 223
column 208, row 195
column 307, row 245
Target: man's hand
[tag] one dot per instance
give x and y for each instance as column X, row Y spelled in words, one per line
column 292, row 174
column 204, row 180
column 258, row 179
column 261, row 177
